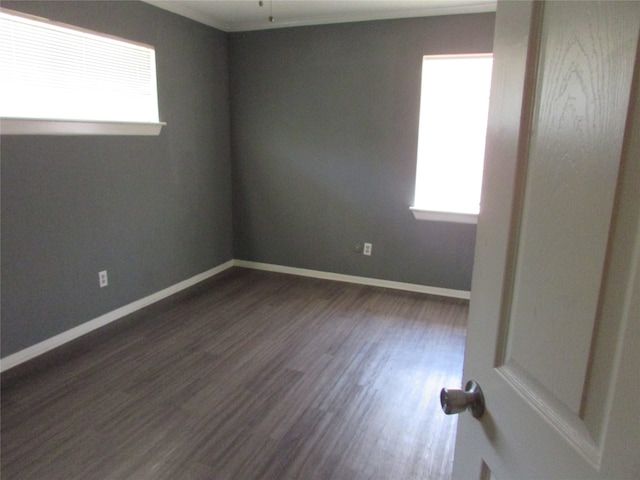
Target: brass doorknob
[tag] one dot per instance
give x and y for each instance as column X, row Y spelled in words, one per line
column 456, row 401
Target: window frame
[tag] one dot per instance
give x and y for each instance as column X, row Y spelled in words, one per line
column 63, row 126
column 443, row 216
column 419, row 211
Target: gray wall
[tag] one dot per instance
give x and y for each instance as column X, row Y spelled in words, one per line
column 153, row 211
column 324, row 131
column 324, row 137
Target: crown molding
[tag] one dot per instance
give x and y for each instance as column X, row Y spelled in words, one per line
column 264, row 24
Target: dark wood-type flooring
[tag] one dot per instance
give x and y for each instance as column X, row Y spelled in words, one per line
column 251, row 375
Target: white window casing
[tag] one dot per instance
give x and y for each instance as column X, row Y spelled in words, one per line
column 453, row 122
column 56, row 79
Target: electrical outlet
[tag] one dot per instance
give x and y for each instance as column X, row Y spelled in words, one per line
column 367, row 249
column 102, row 278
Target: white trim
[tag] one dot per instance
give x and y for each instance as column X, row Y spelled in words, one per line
column 38, row 126
column 64, row 337
column 339, row 277
column 436, row 216
column 49, row 344
column 263, row 24
column 184, row 11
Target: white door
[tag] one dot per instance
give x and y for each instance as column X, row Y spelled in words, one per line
column 554, row 323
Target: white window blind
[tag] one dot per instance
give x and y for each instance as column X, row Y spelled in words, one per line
column 454, row 106
column 57, row 72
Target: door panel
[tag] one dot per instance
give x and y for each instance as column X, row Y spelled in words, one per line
column 583, row 80
column 555, row 284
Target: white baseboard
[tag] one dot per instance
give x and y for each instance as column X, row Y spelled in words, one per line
column 64, row 337
column 339, row 277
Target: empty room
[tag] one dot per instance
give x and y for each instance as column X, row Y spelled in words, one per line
column 229, row 250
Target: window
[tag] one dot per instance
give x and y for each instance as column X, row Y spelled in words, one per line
column 58, row 79
column 453, row 121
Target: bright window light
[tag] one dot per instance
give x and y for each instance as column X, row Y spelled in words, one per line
column 57, row 72
column 453, row 122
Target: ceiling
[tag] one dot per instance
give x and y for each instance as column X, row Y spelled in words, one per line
column 243, row 15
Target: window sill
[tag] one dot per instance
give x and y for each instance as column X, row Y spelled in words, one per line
column 437, row 216
column 33, row 126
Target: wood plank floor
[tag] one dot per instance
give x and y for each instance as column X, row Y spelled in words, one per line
column 252, row 375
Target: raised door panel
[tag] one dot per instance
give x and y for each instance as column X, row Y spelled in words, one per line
column 557, row 257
